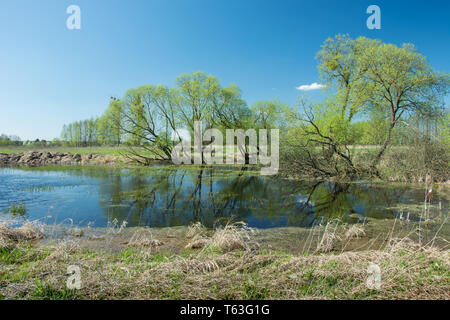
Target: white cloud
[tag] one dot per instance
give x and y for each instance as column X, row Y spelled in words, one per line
column 309, row 87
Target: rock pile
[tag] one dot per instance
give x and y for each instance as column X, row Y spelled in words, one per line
column 36, row 159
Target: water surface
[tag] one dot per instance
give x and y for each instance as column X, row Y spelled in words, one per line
column 163, row 196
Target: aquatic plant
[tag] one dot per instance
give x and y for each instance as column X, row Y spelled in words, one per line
column 18, row 209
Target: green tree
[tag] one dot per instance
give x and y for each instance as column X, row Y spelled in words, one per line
column 368, row 74
column 399, row 81
column 270, row 114
column 149, row 119
column 113, row 115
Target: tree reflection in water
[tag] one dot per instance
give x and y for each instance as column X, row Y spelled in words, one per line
column 169, row 196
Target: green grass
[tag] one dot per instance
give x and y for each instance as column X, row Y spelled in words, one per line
column 106, row 150
column 116, row 151
column 45, row 291
column 113, row 151
column 102, row 150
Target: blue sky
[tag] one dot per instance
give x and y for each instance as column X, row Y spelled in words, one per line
column 50, row 75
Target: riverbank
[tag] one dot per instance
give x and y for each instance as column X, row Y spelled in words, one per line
column 39, row 159
column 102, row 150
column 400, row 164
column 232, row 262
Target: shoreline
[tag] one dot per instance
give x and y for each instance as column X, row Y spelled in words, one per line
column 47, row 158
column 42, row 158
column 226, row 263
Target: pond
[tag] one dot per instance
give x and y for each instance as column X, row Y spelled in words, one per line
column 163, row 196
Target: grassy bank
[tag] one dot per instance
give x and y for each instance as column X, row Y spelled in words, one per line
column 399, row 164
column 112, row 151
column 228, row 263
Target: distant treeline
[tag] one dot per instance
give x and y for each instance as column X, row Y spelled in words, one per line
column 11, row 140
column 92, row 132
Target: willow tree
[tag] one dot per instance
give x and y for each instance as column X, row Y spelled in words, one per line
column 202, row 98
column 400, row 82
column 268, row 114
column 229, row 110
column 149, row 120
column 339, row 69
column 365, row 75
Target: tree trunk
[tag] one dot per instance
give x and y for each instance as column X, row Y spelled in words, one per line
column 383, row 147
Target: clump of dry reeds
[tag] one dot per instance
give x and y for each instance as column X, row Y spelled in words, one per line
column 113, row 227
column 329, row 238
column 27, row 232
column 143, row 238
column 5, row 243
column 196, row 230
column 355, row 232
column 197, row 243
column 62, row 251
column 197, row 233
column 230, row 237
column 76, row 232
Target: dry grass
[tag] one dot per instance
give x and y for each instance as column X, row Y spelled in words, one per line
column 415, row 163
column 329, row 238
column 230, row 237
column 196, row 230
column 229, row 265
column 198, row 243
column 355, row 232
column 143, row 238
column 27, row 232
